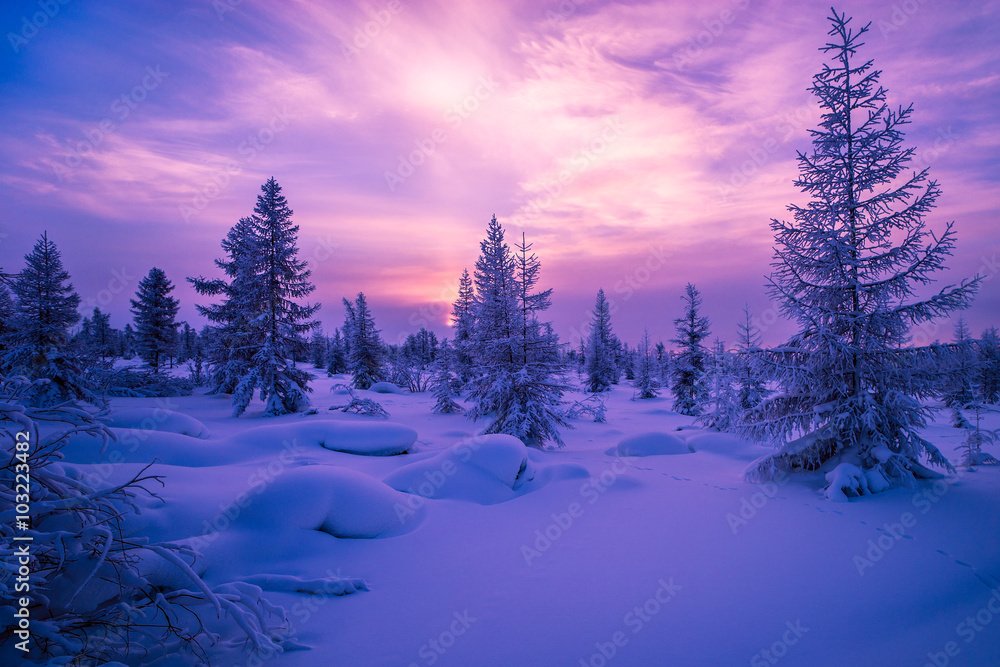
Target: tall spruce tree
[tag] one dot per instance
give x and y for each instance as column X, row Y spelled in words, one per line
column 687, row 373
column 278, row 280
column 37, row 340
column 154, row 312
column 846, row 269
column 599, row 355
column 517, row 385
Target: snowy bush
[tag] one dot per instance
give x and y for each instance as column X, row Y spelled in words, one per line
column 359, row 405
column 99, row 593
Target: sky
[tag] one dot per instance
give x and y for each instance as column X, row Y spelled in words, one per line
column 638, row 145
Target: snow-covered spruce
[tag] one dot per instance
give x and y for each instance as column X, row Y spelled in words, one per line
column 599, row 354
column 464, row 321
column 646, row 383
column 365, row 350
column 264, row 322
column 518, row 383
column 752, row 389
column 687, row 372
column 446, row 382
column 845, row 270
column 228, row 356
column 36, row 341
column 723, row 410
column 155, row 313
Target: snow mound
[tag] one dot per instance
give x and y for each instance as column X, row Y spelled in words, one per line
column 486, row 469
column 387, row 388
column 714, row 442
column 372, row 439
column 341, row 502
column 653, row 443
column 158, row 419
column 259, row 442
column 849, row 481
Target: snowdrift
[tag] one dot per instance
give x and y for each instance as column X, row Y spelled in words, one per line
column 143, row 446
column 387, row 388
column 372, row 439
column 337, row 501
column 652, row 443
column 486, row 469
column 158, row 419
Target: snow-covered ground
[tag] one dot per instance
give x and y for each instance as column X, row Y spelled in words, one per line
column 649, row 552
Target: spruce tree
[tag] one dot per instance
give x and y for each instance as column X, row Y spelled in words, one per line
column 366, row 350
column 445, row 382
column 318, row 348
column 959, row 393
column 154, row 312
column 464, row 321
column 228, row 351
column 128, row 342
column 278, row 279
column 600, row 364
column 37, row 340
column 846, row 270
column 723, row 406
column 336, row 355
column 688, row 369
column 646, row 384
column 752, row 389
column 518, row 384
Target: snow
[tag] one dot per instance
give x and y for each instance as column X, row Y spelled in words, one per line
column 653, row 443
column 487, row 469
column 690, row 563
column 158, row 419
column 256, row 441
column 337, row 501
column 386, row 388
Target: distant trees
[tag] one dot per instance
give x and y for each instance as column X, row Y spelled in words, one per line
column 337, row 355
column 646, row 383
column 722, row 409
column 752, row 389
column 464, row 321
column 154, row 312
column 846, row 269
column 445, row 383
column 688, row 370
column 318, row 348
column 599, row 354
column 988, row 380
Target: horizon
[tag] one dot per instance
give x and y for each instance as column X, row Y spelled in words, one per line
column 639, row 146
